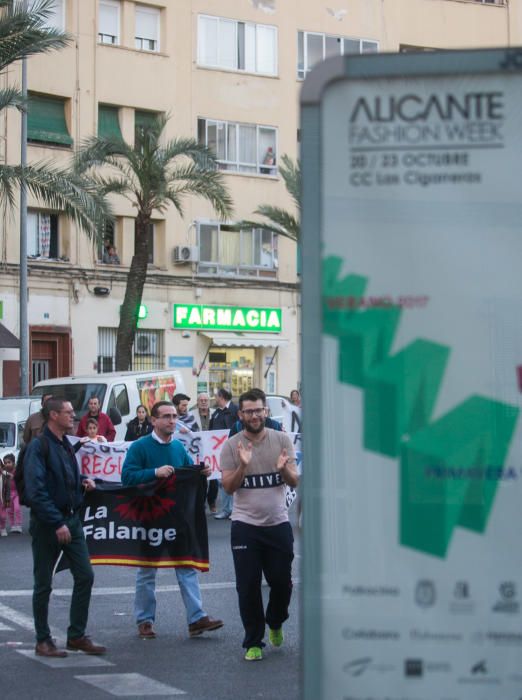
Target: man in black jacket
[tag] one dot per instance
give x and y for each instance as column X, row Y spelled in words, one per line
column 53, row 489
column 225, row 415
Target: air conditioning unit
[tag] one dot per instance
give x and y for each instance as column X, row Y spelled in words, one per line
column 145, row 344
column 185, row 254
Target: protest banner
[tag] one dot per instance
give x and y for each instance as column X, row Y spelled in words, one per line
column 161, row 525
column 104, row 460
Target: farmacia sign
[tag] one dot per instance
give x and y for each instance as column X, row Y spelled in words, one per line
column 227, row 318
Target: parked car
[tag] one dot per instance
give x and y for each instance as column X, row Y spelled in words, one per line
column 119, row 393
column 14, row 413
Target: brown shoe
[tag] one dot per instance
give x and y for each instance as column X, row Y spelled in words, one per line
column 204, row 624
column 146, row 630
column 48, row 648
column 86, row 645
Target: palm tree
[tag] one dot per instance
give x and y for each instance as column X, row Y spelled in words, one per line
column 279, row 220
column 152, row 175
column 23, row 33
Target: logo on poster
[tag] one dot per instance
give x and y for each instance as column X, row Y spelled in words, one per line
column 357, row 667
column 508, row 602
column 462, row 602
column 425, row 595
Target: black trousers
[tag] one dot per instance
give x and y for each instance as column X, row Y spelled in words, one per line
column 257, row 550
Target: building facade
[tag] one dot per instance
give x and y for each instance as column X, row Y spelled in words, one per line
column 220, row 304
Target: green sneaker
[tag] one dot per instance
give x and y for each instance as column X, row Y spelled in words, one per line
column 276, row 637
column 254, row 654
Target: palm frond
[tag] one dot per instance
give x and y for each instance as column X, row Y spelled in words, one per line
column 23, row 32
column 58, row 189
column 291, row 173
column 11, row 97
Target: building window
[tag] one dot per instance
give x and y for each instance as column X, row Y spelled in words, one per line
column 109, row 22
column 152, row 233
column 233, row 45
column 42, row 234
column 147, row 353
column 109, row 122
column 46, row 121
column 223, row 250
column 56, row 18
column 313, row 47
column 241, row 148
column 147, row 28
column 143, row 121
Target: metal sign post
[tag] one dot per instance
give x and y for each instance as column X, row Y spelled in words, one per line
column 412, row 366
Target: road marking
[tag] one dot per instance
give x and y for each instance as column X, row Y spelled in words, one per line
column 130, row 685
column 74, row 660
column 25, row 621
column 123, row 590
column 5, row 628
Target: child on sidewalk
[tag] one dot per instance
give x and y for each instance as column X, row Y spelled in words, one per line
column 9, row 501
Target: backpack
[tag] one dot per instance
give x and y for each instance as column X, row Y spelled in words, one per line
column 19, row 471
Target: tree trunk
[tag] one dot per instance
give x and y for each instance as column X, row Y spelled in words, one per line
column 133, row 295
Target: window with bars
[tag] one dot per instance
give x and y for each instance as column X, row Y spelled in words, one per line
column 147, row 28
column 233, row 45
column 109, row 22
column 223, row 250
column 241, row 148
column 313, row 47
column 147, row 351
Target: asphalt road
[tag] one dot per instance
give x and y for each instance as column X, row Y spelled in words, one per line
column 209, row 667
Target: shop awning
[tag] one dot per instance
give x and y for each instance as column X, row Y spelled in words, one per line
column 245, row 340
column 7, row 339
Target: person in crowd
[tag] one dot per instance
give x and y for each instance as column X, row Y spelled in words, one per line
column 225, row 414
column 224, row 418
column 110, row 256
column 105, row 426
column 202, row 415
column 256, row 464
column 54, row 491
column 152, row 458
column 139, row 426
column 9, row 501
column 295, row 397
column 92, row 432
column 35, row 423
column 181, row 402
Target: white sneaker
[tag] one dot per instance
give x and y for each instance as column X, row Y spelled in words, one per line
column 3, row 533
column 17, row 528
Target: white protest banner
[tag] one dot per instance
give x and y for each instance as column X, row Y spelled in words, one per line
column 104, row 460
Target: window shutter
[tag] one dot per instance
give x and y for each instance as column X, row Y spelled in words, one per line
column 46, row 120
column 109, row 122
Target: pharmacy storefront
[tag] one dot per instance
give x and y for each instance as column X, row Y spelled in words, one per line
column 238, row 345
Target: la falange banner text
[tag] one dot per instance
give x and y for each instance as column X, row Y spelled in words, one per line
column 161, row 525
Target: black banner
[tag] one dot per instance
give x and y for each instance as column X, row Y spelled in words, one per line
column 162, row 525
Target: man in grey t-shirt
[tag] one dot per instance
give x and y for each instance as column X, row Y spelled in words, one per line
column 256, row 464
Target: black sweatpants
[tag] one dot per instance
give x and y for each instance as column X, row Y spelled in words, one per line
column 257, row 550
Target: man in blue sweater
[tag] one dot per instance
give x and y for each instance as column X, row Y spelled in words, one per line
column 150, row 458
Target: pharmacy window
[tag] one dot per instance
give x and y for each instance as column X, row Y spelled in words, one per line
column 233, row 45
column 241, row 148
column 42, row 234
column 224, row 250
column 147, row 28
column 109, row 22
column 313, row 47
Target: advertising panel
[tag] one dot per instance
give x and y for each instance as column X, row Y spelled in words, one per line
column 414, row 511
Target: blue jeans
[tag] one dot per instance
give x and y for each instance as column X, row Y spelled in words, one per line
column 227, row 501
column 145, row 597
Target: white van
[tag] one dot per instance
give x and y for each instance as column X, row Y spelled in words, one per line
column 14, row 412
column 119, row 393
